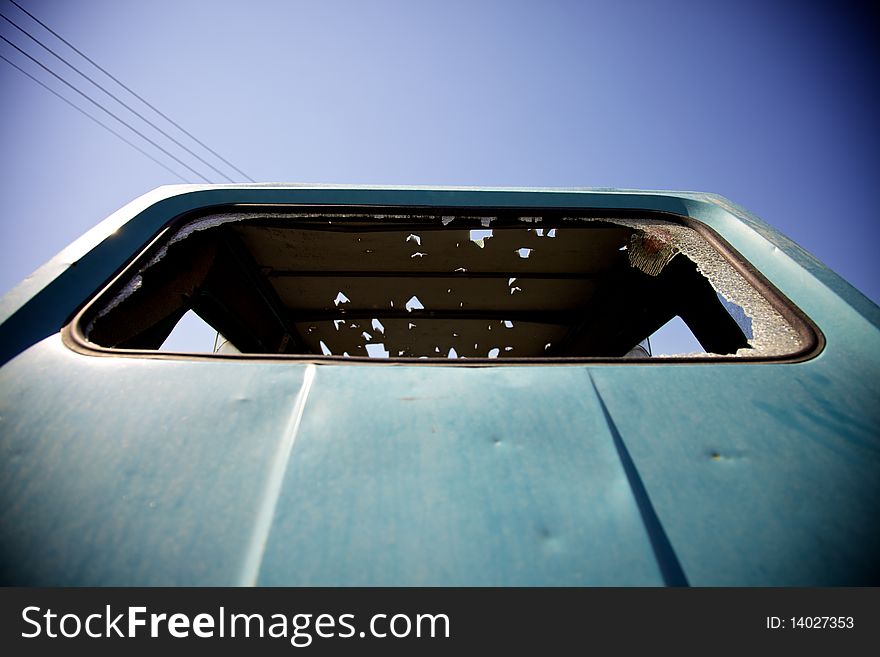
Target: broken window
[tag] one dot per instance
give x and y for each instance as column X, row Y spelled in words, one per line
column 501, row 285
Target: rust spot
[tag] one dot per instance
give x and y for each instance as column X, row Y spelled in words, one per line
column 653, row 244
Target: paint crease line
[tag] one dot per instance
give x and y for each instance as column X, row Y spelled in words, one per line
column 667, row 560
column 266, row 511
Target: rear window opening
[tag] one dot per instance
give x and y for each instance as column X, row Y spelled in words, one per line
column 437, row 285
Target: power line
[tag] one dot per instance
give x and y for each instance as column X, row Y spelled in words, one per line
column 113, row 96
column 132, row 92
column 98, row 121
column 104, row 109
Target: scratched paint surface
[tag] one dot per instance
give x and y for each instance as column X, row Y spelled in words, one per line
column 456, row 477
column 150, row 474
column 406, row 475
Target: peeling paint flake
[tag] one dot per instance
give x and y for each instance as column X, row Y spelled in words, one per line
column 414, row 304
column 377, row 350
column 479, row 237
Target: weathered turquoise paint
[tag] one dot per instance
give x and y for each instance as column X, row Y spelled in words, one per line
column 130, row 471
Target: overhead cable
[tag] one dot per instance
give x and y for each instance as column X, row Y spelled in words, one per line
column 132, row 92
column 98, row 121
column 113, row 96
column 104, row 109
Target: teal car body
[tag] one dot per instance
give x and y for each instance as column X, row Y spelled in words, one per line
column 169, row 470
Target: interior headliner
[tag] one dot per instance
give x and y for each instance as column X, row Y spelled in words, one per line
column 420, row 285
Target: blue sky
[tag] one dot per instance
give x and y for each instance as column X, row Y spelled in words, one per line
column 772, row 104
